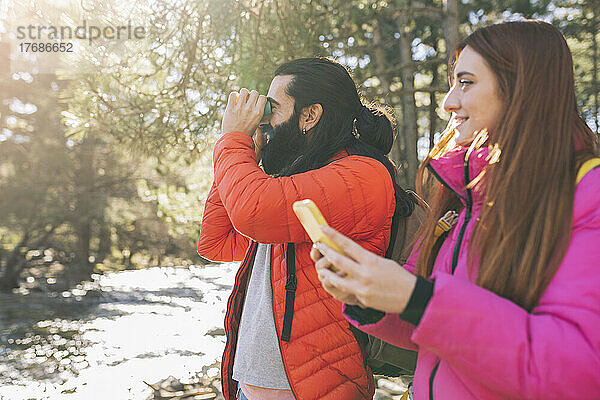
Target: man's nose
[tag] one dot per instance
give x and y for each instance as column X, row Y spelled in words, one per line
column 451, row 101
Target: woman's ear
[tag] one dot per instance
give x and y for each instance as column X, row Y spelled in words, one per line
column 310, row 116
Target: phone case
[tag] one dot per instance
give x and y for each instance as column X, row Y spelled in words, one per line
column 310, row 216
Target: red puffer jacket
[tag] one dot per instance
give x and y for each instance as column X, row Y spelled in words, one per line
column 245, row 206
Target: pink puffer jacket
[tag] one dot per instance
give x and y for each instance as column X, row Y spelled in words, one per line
column 474, row 344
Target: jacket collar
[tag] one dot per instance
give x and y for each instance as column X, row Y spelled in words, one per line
column 339, row 155
column 450, row 169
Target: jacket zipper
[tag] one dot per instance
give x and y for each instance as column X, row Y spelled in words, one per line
column 458, row 245
column 250, row 253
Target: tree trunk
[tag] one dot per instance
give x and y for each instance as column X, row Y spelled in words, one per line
column 10, row 277
column 104, row 239
column 432, row 108
column 130, row 265
column 432, row 119
column 409, row 108
column 450, row 25
column 382, row 65
column 83, row 219
column 83, row 247
column 380, row 58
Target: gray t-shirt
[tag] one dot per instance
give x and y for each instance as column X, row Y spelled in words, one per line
column 258, row 359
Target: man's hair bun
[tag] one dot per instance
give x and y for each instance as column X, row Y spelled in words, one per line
column 374, row 126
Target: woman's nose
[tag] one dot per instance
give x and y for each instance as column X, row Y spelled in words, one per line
column 451, row 102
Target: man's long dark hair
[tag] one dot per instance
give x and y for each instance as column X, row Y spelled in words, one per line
column 328, row 83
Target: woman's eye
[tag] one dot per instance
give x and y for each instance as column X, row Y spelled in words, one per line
column 463, row 83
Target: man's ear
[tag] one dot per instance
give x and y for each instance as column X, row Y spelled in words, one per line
column 310, row 116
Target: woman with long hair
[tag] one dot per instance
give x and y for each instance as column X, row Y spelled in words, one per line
column 501, row 293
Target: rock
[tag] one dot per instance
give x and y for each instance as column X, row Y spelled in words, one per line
column 174, row 384
column 216, row 332
column 203, row 388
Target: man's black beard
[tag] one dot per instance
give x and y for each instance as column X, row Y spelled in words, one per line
column 284, row 147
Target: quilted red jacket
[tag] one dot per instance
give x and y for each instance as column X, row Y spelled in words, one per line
column 245, row 206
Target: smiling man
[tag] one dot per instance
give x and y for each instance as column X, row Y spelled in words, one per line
column 286, row 337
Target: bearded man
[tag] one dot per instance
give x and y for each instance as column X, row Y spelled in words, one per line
column 286, row 336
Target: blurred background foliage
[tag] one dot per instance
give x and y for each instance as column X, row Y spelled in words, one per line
column 108, row 168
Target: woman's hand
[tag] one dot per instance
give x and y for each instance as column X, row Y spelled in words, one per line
column 244, row 111
column 344, row 297
column 370, row 280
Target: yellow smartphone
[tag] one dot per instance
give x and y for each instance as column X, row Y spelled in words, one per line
column 310, row 216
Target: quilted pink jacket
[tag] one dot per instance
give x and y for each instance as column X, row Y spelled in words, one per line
column 474, row 344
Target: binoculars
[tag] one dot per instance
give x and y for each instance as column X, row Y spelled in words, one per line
column 268, row 112
column 264, row 126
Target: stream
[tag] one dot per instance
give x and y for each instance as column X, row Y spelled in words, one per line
column 103, row 339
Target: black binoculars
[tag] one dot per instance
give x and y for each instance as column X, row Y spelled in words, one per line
column 268, row 112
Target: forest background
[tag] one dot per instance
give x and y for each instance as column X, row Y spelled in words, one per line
column 105, row 163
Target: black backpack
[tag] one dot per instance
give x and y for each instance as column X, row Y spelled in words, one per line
column 384, row 358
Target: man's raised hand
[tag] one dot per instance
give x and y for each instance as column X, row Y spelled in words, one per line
column 244, row 111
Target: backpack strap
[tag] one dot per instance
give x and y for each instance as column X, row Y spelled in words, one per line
column 446, row 223
column 290, row 291
column 587, row 167
column 393, row 234
column 398, row 217
column 404, row 226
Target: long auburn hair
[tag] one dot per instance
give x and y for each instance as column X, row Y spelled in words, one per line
column 524, row 227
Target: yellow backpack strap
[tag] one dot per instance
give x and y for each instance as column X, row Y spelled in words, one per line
column 587, row 167
column 405, row 395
